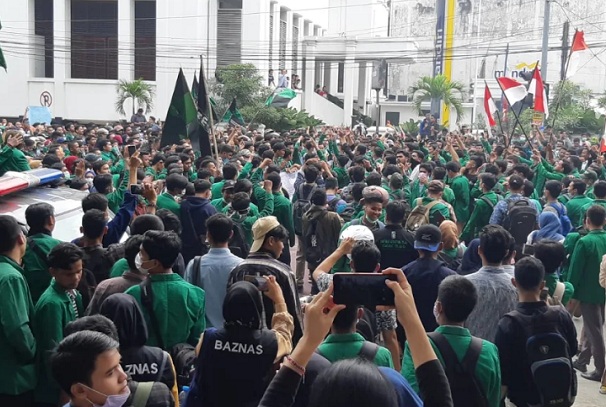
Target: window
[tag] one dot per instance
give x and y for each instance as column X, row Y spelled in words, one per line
column 145, row 40
column 94, row 39
column 43, row 25
column 340, row 77
column 229, row 32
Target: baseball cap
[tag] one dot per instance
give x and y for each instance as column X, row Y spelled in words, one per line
column 435, row 186
column 428, row 237
column 358, row 232
column 590, row 175
column 229, row 184
column 260, row 228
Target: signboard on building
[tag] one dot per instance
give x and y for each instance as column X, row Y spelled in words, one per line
column 537, row 118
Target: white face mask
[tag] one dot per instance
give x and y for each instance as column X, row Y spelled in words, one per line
column 139, row 264
column 115, row 400
column 66, row 175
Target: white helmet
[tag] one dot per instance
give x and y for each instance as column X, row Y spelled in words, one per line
column 358, row 232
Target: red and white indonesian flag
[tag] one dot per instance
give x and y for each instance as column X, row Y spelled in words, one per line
column 603, row 144
column 578, row 52
column 489, row 107
column 537, row 88
column 514, row 91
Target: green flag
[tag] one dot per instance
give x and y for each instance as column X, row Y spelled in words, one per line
column 194, row 87
column 280, row 98
column 2, row 60
column 233, row 116
column 181, row 118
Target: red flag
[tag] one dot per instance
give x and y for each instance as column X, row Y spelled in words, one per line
column 537, row 88
column 514, row 91
column 603, row 144
column 577, row 51
column 489, row 107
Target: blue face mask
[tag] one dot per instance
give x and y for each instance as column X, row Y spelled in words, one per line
column 115, row 400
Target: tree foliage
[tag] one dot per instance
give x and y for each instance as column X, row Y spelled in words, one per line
column 439, row 87
column 138, row 90
column 281, row 119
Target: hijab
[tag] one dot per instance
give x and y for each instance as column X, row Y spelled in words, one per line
column 124, row 311
column 549, row 227
column 243, row 306
column 450, row 234
column 471, row 259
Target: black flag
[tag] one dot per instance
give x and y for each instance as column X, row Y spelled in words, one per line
column 204, row 112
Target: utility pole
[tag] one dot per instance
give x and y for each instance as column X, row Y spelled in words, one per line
column 545, row 47
column 565, row 48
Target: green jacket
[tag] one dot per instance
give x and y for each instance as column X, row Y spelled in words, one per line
column 115, row 199
column 574, row 207
column 601, row 202
column 120, row 267
column 248, row 222
column 488, row 367
column 283, row 211
column 35, row 269
column 342, row 176
column 551, row 281
column 417, row 190
column 460, row 187
column 448, row 195
column 179, row 308
column 480, row 216
column 220, row 204
column 17, row 343
column 570, row 243
column 584, row 268
column 217, row 188
column 347, row 346
column 53, row 311
column 543, row 174
column 150, row 172
column 12, row 159
column 167, row 201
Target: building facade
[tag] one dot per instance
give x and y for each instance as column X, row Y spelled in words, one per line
column 70, row 54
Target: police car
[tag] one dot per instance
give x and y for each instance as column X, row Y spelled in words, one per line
column 18, row 190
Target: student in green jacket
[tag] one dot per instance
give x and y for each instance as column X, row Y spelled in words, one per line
column 156, row 169
column 576, row 189
column 282, row 207
column 11, row 156
column 239, row 210
column 40, row 218
column 115, row 196
column 17, row 343
column 599, row 191
column 60, row 304
column 583, row 273
column 228, row 194
column 552, row 254
column 418, row 188
column 460, row 187
column 483, row 208
column 177, row 312
column 439, row 210
column 175, row 184
column 457, row 297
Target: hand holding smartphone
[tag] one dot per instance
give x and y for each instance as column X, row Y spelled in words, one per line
column 259, row 282
column 367, row 289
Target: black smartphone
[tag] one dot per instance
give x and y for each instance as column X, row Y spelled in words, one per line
column 368, row 289
column 136, row 189
column 528, row 250
column 259, row 282
column 131, row 150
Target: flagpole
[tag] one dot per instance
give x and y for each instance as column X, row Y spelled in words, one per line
column 210, row 113
column 516, row 116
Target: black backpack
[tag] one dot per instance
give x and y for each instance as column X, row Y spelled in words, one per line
column 299, row 208
column 238, row 245
column 549, row 358
column 464, row 387
column 316, row 250
column 520, row 220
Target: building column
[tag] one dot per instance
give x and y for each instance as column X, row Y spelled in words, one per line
column 62, row 60
column 288, row 61
column 318, row 73
column 126, row 40
column 310, row 70
column 348, row 82
column 327, row 76
column 362, row 86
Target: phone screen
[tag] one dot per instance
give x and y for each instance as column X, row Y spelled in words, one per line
column 131, row 150
column 259, row 282
column 136, row 189
column 368, row 289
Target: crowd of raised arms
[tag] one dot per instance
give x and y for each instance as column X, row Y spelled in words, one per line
column 180, row 291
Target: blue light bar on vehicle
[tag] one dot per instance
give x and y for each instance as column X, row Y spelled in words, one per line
column 13, row 181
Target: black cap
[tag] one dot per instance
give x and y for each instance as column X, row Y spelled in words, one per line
column 428, row 237
column 229, row 184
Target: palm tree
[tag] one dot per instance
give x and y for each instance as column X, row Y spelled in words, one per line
column 138, row 90
column 436, row 88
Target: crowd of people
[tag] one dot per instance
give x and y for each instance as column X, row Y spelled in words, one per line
column 180, row 290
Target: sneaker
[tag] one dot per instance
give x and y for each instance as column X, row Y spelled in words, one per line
column 579, row 366
column 595, row 376
column 603, row 389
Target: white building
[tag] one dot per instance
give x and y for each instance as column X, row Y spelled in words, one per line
column 74, row 51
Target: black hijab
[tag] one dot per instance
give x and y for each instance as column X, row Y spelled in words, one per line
column 243, row 306
column 124, row 311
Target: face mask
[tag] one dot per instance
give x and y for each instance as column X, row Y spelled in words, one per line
column 66, row 174
column 139, row 264
column 115, row 400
